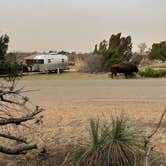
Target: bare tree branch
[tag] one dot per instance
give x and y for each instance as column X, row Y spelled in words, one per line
column 3, row 92
column 25, row 118
column 9, row 101
column 19, row 150
column 19, row 139
column 148, row 139
column 158, row 125
column 147, row 155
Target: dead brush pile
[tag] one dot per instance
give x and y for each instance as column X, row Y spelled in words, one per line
column 89, row 63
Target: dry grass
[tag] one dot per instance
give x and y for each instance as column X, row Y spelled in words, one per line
column 67, row 119
column 66, row 76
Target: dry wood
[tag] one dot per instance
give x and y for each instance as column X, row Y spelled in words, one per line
column 25, row 118
column 19, row 139
column 19, row 150
column 148, row 140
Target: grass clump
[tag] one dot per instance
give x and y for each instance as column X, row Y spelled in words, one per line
column 149, row 72
column 114, row 144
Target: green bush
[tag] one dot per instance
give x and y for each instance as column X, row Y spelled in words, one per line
column 149, row 72
column 115, row 144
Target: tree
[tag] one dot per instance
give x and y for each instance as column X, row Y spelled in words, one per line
column 117, row 50
column 16, row 113
column 158, row 51
column 114, row 41
column 142, row 47
column 96, row 49
column 102, row 47
column 4, row 40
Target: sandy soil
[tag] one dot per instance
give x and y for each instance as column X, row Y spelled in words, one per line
column 70, row 104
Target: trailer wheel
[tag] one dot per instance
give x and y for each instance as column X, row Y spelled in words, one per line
column 49, row 71
column 61, row 70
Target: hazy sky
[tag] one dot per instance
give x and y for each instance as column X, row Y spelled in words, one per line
column 44, row 25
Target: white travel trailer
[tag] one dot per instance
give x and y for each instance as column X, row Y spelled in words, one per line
column 50, row 62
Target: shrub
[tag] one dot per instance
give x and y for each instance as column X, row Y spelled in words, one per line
column 149, row 72
column 115, row 144
column 136, row 59
column 158, row 51
column 90, row 64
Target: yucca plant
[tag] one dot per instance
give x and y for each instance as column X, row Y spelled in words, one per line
column 124, row 144
column 114, row 144
column 89, row 152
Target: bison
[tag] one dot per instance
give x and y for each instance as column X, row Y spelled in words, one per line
column 125, row 68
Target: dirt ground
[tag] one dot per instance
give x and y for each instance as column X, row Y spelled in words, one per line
column 70, row 104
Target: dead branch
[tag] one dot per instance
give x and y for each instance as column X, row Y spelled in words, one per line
column 9, row 101
column 3, row 92
column 18, row 139
column 25, row 118
column 148, row 139
column 158, row 125
column 19, row 150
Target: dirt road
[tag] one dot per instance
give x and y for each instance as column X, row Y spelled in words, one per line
column 98, row 89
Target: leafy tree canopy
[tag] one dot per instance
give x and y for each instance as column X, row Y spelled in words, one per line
column 116, row 50
column 4, row 40
column 158, row 51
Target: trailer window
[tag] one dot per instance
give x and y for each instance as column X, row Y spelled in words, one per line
column 63, row 60
column 39, row 61
column 49, row 60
